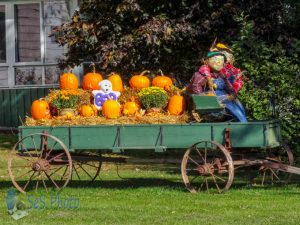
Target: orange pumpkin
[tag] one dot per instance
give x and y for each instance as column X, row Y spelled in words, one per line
column 130, row 108
column 111, row 109
column 68, row 81
column 117, row 83
column 176, row 105
column 91, row 81
column 40, row 109
column 88, row 110
column 162, row 81
column 139, row 81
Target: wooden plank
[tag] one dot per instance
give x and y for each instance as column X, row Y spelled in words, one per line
column 21, row 106
column 33, row 94
column 14, row 107
column 27, row 102
column 7, row 117
column 2, row 107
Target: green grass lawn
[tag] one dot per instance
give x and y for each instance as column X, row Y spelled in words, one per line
column 153, row 194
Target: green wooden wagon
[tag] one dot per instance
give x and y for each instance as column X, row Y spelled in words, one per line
column 211, row 152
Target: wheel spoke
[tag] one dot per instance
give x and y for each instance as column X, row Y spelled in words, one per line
column 91, row 165
column 219, row 178
column 206, row 183
column 200, row 154
column 74, row 167
column 34, row 144
column 49, row 151
column 85, row 171
column 49, row 178
column 64, row 173
column 43, row 181
column 205, row 152
column 195, row 177
column 214, row 179
column 56, row 157
column 56, row 170
column 275, row 175
column 37, row 185
column 25, row 186
column 193, row 161
column 24, row 174
column 26, row 150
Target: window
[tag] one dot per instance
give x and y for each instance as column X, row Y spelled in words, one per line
column 55, row 13
column 28, row 36
column 28, row 56
column 2, row 36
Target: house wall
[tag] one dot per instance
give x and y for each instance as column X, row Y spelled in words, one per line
column 28, row 67
column 15, row 104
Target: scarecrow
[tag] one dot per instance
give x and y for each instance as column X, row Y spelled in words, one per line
column 224, row 79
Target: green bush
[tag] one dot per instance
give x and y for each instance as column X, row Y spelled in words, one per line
column 270, row 74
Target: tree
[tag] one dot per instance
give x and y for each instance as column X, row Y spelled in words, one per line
column 129, row 36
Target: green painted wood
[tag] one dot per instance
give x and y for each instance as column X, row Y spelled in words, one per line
column 93, row 137
column 1, row 111
column 261, row 134
column 6, row 107
column 14, row 108
column 205, row 104
column 15, row 104
column 181, row 136
column 27, row 102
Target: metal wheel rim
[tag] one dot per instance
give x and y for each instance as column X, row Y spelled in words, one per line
column 275, row 173
column 229, row 161
column 40, row 152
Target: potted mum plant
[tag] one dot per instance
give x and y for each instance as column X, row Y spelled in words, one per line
column 153, row 99
column 65, row 101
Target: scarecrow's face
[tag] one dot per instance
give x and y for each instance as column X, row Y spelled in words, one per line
column 216, row 62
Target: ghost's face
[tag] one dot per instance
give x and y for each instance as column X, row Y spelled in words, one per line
column 216, row 62
column 105, row 86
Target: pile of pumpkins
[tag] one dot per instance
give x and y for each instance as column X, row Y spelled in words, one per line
column 111, row 109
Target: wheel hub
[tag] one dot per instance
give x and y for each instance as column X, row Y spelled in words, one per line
column 206, row 169
column 41, row 165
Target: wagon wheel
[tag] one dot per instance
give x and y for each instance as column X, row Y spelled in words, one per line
column 207, row 165
column 39, row 160
column 85, row 169
column 283, row 155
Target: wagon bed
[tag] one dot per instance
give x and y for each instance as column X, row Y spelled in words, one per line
column 256, row 134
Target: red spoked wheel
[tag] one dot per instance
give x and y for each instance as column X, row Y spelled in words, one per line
column 207, row 165
column 86, row 167
column 281, row 155
column 39, row 160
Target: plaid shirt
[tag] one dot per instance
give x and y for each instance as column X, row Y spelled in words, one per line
column 234, row 75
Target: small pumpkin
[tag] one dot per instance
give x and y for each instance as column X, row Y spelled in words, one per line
column 131, row 107
column 40, row 109
column 68, row 81
column 91, row 80
column 140, row 81
column 116, row 80
column 176, row 105
column 210, row 93
column 111, row 109
column 88, row 110
column 162, row 81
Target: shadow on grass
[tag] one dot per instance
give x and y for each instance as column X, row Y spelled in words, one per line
column 172, row 184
